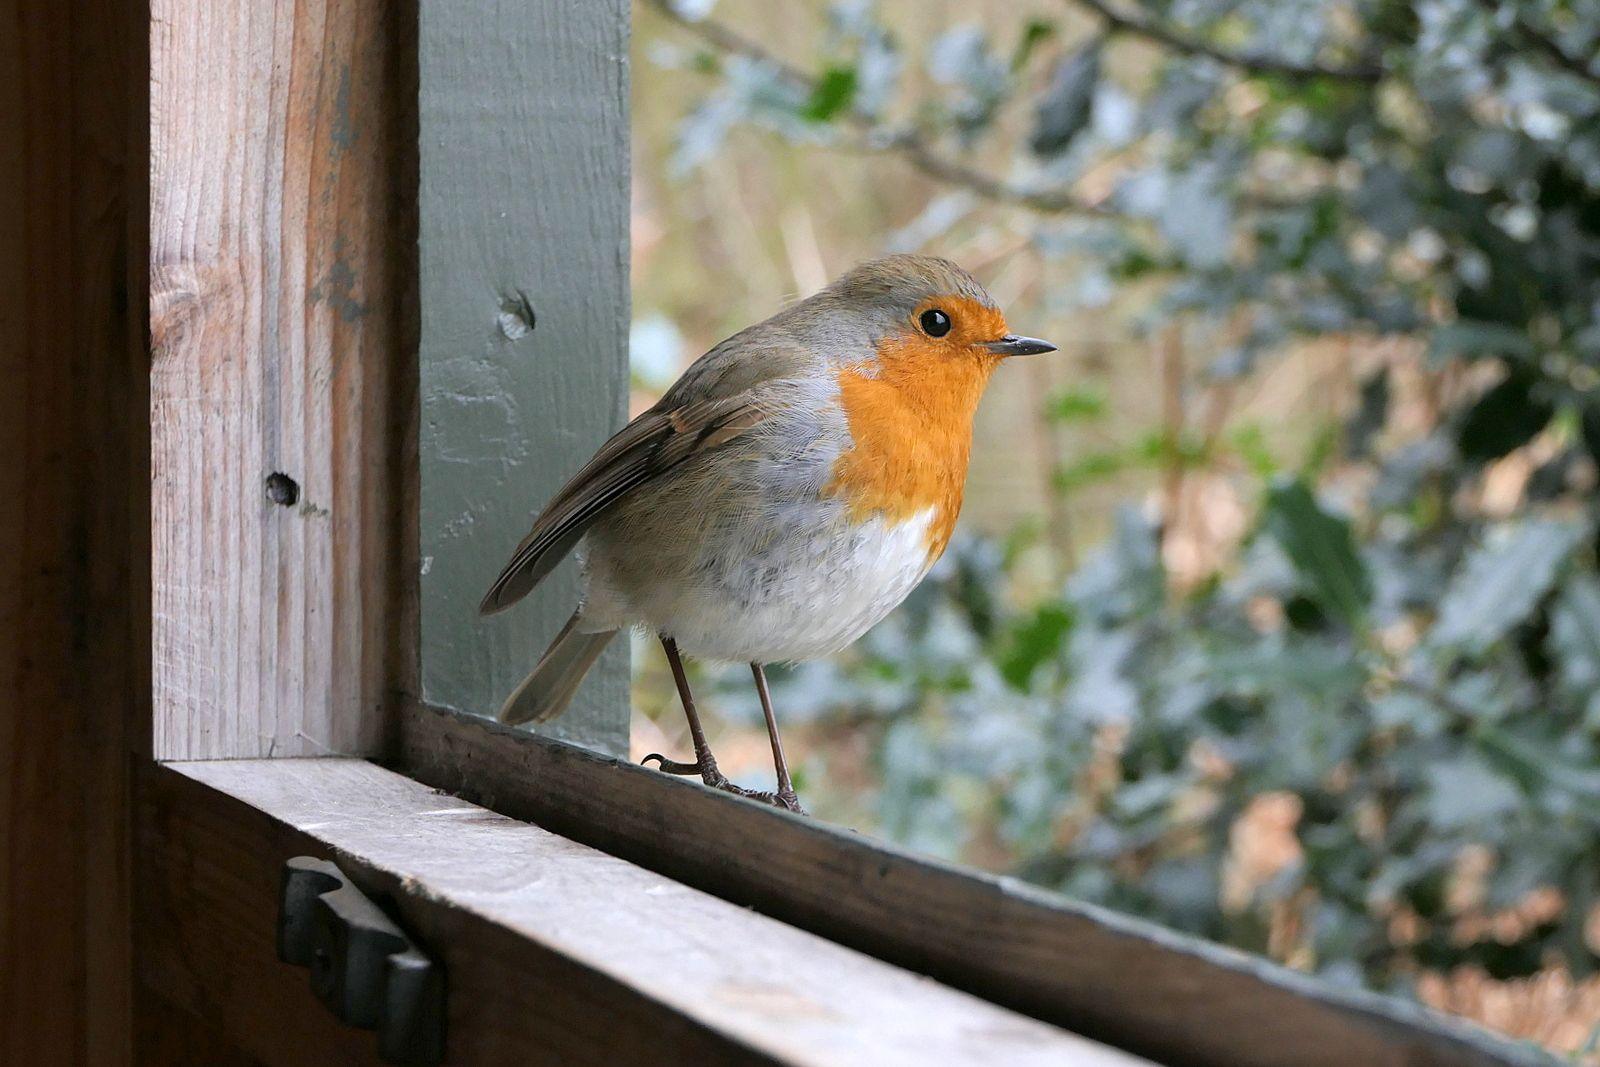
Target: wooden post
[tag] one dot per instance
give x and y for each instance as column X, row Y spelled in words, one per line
column 74, row 520
column 524, row 294
column 281, row 377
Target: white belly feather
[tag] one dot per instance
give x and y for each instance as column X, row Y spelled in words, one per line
column 798, row 593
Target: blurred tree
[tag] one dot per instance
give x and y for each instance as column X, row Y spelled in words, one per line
column 1371, row 744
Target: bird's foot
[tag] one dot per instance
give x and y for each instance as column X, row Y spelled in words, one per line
column 787, row 799
column 711, row 776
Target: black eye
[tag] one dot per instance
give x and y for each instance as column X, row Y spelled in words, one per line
column 935, row 323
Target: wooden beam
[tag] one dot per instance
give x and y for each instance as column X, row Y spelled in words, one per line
column 1131, row 984
column 281, row 377
column 524, row 295
column 74, row 576
column 554, row 953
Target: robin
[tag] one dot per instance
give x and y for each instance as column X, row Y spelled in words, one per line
column 784, row 495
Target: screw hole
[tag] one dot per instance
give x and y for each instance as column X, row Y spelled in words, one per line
column 516, row 318
column 282, row 489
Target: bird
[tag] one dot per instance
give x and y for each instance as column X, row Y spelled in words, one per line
column 782, row 497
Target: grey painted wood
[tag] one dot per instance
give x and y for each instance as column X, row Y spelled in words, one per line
column 514, row 910
column 524, row 293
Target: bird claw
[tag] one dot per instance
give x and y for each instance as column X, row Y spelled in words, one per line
column 790, row 801
column 671, row 766
column 705, row 767
column 715, row 779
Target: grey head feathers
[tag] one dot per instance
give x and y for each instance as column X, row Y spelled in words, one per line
column 904, row 281
column 877, row 298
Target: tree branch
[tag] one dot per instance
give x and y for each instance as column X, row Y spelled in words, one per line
column 908, row 143
column 1252, row 62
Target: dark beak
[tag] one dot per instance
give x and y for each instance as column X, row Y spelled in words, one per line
column 1012, row 345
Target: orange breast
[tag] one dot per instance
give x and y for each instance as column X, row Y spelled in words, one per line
column 911, row 430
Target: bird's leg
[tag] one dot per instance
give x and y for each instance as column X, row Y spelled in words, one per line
column 705, row 764
column 786, row 794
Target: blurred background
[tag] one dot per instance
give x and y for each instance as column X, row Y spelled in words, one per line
column 1274, row 616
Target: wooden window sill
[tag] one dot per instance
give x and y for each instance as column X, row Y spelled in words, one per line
column 548, row 945
column 1129, row 983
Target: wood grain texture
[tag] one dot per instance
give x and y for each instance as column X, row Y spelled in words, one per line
column 279, row 347
column 554, row 952
column 1128, row 983
column 168, row 1036
column 74, row 576
column 524, row 294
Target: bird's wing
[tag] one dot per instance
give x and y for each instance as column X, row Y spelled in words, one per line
column 651, row 445
column 719, row 397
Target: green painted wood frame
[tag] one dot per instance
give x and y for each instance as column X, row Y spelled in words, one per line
column 523, row 263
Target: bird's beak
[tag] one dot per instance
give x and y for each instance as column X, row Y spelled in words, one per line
column 1012, row 345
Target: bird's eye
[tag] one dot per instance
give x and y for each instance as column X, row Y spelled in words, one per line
column 935, row 323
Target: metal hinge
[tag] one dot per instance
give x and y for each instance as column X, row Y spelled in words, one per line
column 363, row 967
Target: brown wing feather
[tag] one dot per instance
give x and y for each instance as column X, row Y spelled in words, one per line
column 649, row 446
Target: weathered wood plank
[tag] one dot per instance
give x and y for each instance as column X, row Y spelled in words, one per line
column 524, row 294
column 1128, row 983
column 208, row 912
column 169, row 1035
column 74, row 606
column 280, row 371
column 554, row 952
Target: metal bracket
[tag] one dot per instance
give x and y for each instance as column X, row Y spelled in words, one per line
column 363, row 967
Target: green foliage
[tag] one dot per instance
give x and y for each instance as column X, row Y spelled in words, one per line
column 1575, row 633
column 834, row 93
column 1076, row 405
column 1419, row 674
column 1360, row 165
column 1322, row 549
column 1034, row 34
column 1498, row 585
column 1110, row 738
column 1505, row 418
column 1064, row 109
column 1034, row 641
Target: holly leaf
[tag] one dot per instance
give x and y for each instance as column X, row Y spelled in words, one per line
column 1505, row 418
column 1500, row 584
column 1322, row 549
column 1064, row 109
column 1467, row 790
column 1535, row 765
column 1475, row 338
column 1033, row 642
column 1574, row 643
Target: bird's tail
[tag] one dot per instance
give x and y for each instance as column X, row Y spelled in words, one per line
column 550, row 687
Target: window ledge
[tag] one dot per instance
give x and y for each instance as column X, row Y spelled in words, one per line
column 1111, row 977
column 547, row 944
